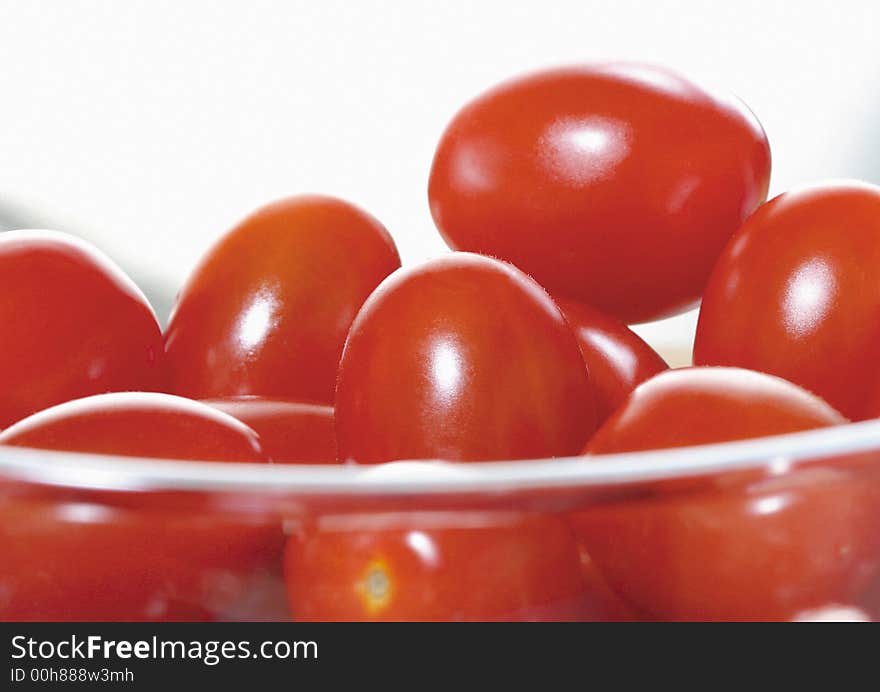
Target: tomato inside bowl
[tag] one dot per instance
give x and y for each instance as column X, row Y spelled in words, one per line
column 779, row 528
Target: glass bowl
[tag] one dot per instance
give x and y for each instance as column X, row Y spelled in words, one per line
column 781, row 528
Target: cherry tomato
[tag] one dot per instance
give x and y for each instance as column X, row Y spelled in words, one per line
column 73, row 325
column 463, row 358
column 692, row 406
column 146, row 559
column 767, row 551
column 794, row 295
column 138, row 424
column 764, row 548
column 86, row 561
column 435, row 566
column 614, row 184
column 290, row 432
column 268, row 309
column 616, row 357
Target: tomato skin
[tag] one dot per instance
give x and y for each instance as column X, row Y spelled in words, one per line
column 290, row 432
column 431, row 566
column 602, row 604
column 800, row 273
column 267, row 310
column 613, row 184
column 753, row 553
column 141, row 425
column 463, row 358
column 73, row 323
column 763, row 549
column 703, row 405
column 147, row 559
column 616, row 357
column 83, row 561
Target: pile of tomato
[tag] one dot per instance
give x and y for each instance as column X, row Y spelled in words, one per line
column 577, row 201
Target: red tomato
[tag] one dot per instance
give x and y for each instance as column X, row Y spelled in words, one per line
column 763, row 549
column 613, row 184
column 145, row 560
column 76, row 561
column 435, row 566
column 616, row 357
column 73, row 325
column 795, row 295
column 692, row 406
column 463, row 358
column 141, row 425
column 290, row 432
column 773, row 550
column 268, row 309
column 871, row 409
column 601, row 603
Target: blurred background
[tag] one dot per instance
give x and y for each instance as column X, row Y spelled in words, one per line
column 150, row 128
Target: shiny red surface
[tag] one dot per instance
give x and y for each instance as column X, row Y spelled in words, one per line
column 72, row 323
column 81, row 561
column 616, row 357
column 795, row 294
column 771, row 550
column 132, row 557
column 141, row 425
column 761, row 548
column 691, row 406
column 614, row 184
column 290, row 432
column 462, row 358
column 466, row 566
column 267, row 310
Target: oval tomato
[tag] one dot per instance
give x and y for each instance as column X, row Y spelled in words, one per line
column 73, row 324
column 141, row 425
column 290, row 432
column 268, row 309
column 794, row 295
column 436, row 566
column 613, row 184
column 692, row 406
column 616, row 357
column 762, row 548
column 462, row 358
column 111, row 556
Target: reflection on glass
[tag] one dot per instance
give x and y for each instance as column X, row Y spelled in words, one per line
column 423, row 546
column 769, row 505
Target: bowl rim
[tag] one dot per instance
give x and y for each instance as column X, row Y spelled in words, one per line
column 781, row 453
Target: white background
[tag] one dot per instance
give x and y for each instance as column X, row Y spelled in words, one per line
column 151, row 127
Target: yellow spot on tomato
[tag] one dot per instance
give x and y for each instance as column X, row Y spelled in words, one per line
column 375, row 586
